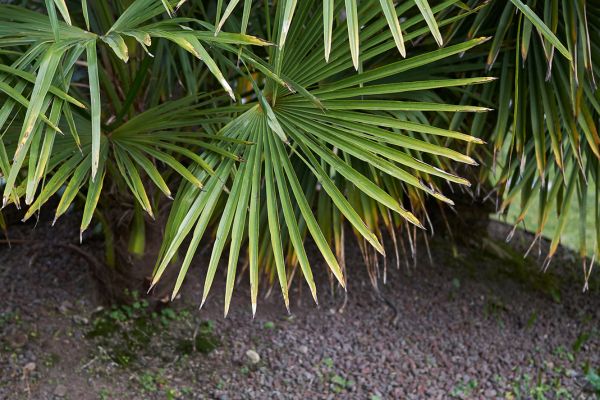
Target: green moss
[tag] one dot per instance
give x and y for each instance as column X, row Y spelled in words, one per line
column 102, row 327
column 184, row 346
column 127, row 331
column 206, row 343
column 51, row 359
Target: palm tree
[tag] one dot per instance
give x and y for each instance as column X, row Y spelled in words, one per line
column 282, row 120
column 544, row 137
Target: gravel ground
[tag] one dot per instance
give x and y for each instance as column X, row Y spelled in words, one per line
column 475, row 322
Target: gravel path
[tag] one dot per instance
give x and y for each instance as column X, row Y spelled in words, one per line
column 475, row 323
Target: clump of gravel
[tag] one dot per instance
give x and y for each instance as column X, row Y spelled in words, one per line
column 472, row 323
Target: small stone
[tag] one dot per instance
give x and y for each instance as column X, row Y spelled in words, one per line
column 252, row 357
column 303, row 349
column 308, row 376
column 64, row 307
column 18, row 340
column 60, row 391
column 490, row 393
column 571, row 373
column 29, row 367
column 78, row 319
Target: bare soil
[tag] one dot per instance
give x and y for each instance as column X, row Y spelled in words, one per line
column 476, row 321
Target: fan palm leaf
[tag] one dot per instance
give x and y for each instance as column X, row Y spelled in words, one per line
column 328, row 131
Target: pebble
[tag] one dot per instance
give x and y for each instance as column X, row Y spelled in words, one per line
column 19, row 340
column 252, row 356
column 303, row 349
column 78, row 319
column 64, row 307
column 60, row 391
column 571, row 373
column 29, row 367
column 490, row 393
column 221, row 395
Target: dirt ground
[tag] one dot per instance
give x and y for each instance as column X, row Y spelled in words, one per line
column 475, row 322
